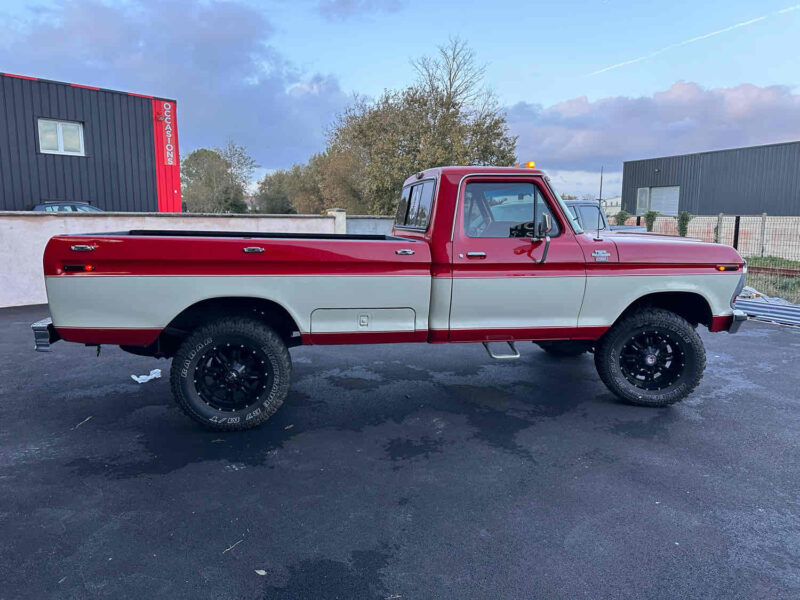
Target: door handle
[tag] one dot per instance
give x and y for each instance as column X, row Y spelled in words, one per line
column 404, row 252
column 476, row 254
column 253, row 250
column 82, row 248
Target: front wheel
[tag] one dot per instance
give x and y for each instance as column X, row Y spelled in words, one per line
column 231, row 374
column 652, row 358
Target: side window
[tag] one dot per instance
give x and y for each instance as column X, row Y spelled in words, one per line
column 414, row 208
column 503, row 209
column 402, row 207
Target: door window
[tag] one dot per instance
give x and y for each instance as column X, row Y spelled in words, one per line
column 504, row 209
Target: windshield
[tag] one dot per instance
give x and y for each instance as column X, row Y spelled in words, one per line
column 573, row 221
column 590, row 216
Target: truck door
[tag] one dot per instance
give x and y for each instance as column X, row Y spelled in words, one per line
column 500, row 291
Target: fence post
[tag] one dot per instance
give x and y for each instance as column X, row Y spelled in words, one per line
column 763, row 233
column 718, row 231
column 736, row 232
column 638, row 220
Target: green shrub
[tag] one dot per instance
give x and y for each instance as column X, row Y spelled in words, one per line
column 621, row 217
column 683, row 222
column 650, row 219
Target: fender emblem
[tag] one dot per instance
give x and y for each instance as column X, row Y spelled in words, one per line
column 600, row 255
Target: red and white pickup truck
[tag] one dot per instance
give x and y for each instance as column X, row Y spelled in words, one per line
column 477, row 254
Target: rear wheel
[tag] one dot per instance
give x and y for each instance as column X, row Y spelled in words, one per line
column 231, row 374
column 651, row 358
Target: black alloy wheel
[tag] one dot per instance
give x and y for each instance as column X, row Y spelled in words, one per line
column 232, row 377
column 232, row 373
column 652, row 360
column 652, row 357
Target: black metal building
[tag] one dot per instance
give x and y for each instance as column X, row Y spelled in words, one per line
column 69, row 142
column 744, row 181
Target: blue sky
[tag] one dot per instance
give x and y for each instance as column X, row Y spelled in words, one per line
column 691, row 76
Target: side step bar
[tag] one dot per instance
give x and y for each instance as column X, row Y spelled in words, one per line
column 511, row 345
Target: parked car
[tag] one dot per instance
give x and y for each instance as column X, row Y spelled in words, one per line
column 477, row 254
column 65, row 207
column 591, row 216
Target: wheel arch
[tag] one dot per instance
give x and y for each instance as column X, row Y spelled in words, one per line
column 208, row 309
column 692, row 306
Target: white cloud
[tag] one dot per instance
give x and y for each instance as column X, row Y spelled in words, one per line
column 583, row 135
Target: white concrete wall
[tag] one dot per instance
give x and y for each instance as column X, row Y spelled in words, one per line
column 369, row 225
column 23, row 236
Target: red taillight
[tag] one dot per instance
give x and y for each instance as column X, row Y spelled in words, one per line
column 78, row 268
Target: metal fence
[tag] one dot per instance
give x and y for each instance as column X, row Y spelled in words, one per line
column 771, row 246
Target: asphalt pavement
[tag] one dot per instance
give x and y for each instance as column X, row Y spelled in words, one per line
column 401, row 472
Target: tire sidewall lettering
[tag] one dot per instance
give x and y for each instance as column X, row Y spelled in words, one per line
column 195, row 351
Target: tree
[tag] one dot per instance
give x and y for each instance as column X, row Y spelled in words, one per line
column 445, row 118
column 650, row 219
column 241, row 165
column 272, row 196
column 621, row 217
column 684, row 217
column 214, row 181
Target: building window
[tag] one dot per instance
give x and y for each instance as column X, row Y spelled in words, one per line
column 665, row 199
column 61, row 137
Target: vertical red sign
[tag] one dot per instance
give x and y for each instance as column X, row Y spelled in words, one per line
column 168, row 163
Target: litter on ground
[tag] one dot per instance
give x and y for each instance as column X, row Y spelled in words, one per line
column 154, row 374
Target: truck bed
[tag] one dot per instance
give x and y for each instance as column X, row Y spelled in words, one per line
column 125, row 287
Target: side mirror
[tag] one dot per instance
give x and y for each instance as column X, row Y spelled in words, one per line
column 544, row 225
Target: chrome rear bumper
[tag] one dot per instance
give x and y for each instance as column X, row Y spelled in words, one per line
column 44, row 334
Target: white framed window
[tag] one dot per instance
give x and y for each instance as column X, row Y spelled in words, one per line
column 642, row 200
column 664, row 199
column 61, row 137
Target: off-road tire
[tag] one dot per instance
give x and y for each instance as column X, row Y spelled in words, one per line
column 680, row 332
column 563, row 348
column 258, row 338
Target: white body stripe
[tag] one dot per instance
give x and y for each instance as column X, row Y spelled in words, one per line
column 348, row 320
column 507, row 302
column 607, row 297
column 153, row 301
column 441, row 289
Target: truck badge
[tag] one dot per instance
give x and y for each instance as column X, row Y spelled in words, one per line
column 600, row 255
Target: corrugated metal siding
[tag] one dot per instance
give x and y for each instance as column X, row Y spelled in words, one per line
column 747, row 181
column 118, row 171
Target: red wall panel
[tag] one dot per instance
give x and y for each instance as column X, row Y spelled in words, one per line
column 168, row 164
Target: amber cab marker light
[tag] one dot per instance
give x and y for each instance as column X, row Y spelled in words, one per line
column 727, row 267
column 530, row 164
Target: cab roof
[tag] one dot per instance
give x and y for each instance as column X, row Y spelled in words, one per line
column 462, row 171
